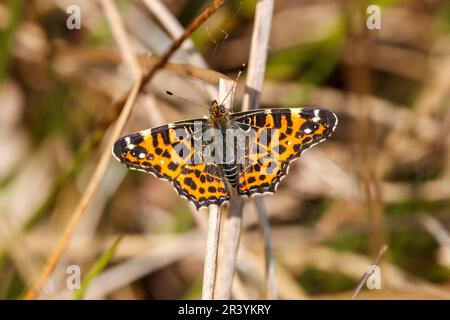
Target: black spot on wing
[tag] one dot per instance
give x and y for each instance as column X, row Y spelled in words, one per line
column 172, row 166
column 166, row 154
column 288, row 120
column 309, row 127
column 137, row 151
column 154, row 141
column 289, row 130
column 251, row 179
column 307, row 113
column 189, row 182
column 136, row 138
column 146, row 164
column 260, row 120
column 280, row 149
column 276, row 120
column 165, row 136
column 307, row 140
column 119, row 148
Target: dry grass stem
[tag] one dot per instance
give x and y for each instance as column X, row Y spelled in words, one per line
column 228, row 249
column 73, row 74
column 258, row 54
column 87, row 197
column 212, row 241
column 255, row 76
column 175, row 29
column 79, row 58
column 117, row 26
column 158, row 255
column 119, row 33
column 369, row 271
column 435, row 228
column 226, row 92
column 106, row 155
column 270, row 278
column 198, row 21
column 255, row 79
column 230, row 233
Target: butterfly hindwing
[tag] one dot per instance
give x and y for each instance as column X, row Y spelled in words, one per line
column 202, row 184
column 281, row 135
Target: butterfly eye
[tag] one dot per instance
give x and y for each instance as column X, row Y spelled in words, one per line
column 222, row 109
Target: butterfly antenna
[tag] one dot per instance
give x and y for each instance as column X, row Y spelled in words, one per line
column 241, row 69
column 170, row 93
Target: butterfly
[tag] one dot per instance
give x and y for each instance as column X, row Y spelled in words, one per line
column 225, row 154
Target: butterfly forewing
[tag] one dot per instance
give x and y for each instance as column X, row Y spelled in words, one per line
column 162, row 150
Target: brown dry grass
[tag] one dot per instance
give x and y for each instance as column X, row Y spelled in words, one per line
column 382, row 179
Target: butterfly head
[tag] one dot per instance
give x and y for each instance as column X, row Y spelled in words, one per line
column 217, row 113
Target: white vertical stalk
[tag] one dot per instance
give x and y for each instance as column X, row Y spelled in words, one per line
column 212, row 241
column 255, row 78
column 226, row 90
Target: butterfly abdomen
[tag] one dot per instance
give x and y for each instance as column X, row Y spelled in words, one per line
column 230, row 172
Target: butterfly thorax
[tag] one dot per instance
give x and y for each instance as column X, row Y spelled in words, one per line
column 218, row 116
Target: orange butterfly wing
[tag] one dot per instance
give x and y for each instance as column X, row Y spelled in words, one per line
column 281, row 136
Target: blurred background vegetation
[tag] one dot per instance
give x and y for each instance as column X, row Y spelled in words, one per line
column 383, row 178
